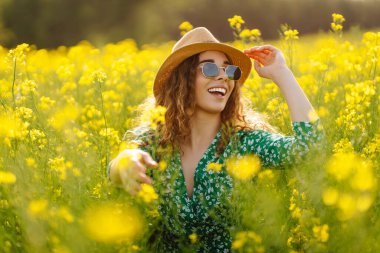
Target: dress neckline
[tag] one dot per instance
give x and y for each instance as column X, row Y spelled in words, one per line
column 196, row 171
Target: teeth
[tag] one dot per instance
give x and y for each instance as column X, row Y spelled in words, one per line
column 221, row 90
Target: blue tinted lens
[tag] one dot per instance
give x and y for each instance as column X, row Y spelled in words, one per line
column 210, row 69
column 233, row 72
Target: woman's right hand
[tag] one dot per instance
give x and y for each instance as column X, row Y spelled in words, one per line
column 128, row 169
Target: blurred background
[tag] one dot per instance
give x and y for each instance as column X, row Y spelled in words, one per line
column 51, row 23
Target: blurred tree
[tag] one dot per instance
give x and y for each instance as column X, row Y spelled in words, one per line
column 49, row 23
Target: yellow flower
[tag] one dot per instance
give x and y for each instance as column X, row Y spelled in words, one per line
column 135, row 248
column 64, row 213
column 59, row 165
column 372, row 149
column 266, row 174
column 214, row 167
column 155, row 117
column 112, row 223
column 313, row 116
column 127, row 145
column 37, row 208
column 338, row 18
column 38, row 138
column 19, row 53
column 61, row 249
column 7, row 177
column 291, row 34
column 162, row 165
column 236, row 22
column 244, row 237
column 342, row 165
column 68, row 86
column 330, row 96
column 336, row 27
column 255, row 33
column 98, row 76
column 364, row 178
column 24, row 113
column 273, row 104
column 364, row 202
column 13, row 127
column 30, row 162
column 347, row 206
column 64, row 116
column 185, row 27
column 46, row 103
column 343, row 146
column 330, row 196
column 243, row 168
column 246, row 33
column 193, row 237
column 296, row 213
column 321, row 233
column 28, row 86
column 147, row 193
column 237, row 243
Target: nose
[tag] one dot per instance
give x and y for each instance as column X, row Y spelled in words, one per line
column 222, row 74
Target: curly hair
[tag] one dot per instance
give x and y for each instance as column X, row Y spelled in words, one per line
column 178, row 96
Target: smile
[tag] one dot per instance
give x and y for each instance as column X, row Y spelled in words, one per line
column 221, row 91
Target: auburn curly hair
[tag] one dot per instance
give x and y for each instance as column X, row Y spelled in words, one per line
column 178, row 96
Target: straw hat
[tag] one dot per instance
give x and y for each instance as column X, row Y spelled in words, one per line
column 193, row 42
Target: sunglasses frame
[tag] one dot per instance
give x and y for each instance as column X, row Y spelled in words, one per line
column 224, row 68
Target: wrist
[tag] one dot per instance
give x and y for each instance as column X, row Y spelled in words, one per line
column 281, row 73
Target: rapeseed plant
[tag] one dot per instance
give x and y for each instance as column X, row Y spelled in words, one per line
column 64, row 110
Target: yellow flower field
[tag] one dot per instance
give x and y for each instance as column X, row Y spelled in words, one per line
column 64, row 112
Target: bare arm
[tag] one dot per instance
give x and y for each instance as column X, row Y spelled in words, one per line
column 270, row 63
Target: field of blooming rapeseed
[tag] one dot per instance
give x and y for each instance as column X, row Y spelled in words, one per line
column 63, row 113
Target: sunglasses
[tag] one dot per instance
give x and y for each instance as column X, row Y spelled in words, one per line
column 211, row 70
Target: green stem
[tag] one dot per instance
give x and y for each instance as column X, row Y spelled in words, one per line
column 13, row 84
column 3, row 103
column 105, row 123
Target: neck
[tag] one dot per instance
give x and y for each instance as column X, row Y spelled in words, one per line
column 204, row 127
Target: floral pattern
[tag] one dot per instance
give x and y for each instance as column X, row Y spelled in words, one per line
column 204, row 212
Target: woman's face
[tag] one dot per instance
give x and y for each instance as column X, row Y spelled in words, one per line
column 211, row 94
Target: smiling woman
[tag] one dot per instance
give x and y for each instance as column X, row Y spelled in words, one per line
column 206, row 126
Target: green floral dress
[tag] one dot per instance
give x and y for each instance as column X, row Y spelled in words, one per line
column 205, row 212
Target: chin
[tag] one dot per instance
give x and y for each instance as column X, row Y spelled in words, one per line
column 213, row 109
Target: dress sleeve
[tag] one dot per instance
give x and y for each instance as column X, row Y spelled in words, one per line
column 143, row 141
column 277, row 150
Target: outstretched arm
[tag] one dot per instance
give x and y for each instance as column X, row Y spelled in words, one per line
column 270, row 63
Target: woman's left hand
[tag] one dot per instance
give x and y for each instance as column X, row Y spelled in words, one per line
column 269, row 60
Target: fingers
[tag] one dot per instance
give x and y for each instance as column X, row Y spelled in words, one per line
column 131, row 167
column 132, row 179
column 143, row 178
column 148, row 160
column 138, row 173
column 261, row 53
column 265, row 48
column 259, row 56
column 130, row 185
column 257, row 67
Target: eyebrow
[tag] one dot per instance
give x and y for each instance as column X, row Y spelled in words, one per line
column 211, row 60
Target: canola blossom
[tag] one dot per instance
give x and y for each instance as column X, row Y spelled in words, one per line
column 66, row 112
column 112, row 223
column 243, row 168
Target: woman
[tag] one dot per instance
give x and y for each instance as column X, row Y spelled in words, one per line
column 205, row 122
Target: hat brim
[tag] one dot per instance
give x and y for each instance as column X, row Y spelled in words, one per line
column 174, row 59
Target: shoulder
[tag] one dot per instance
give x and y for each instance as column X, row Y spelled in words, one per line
column 139, row 135
column 255, row 133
